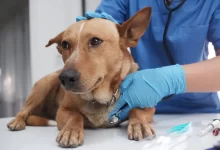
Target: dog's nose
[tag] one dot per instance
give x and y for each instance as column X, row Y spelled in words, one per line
column 69, row 77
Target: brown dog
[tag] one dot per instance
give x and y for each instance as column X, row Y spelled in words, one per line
column 96, row 61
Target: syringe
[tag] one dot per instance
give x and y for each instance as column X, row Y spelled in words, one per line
column 210, row 127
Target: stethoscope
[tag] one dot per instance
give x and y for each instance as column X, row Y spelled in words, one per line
column 171, row 10
column 115, row 119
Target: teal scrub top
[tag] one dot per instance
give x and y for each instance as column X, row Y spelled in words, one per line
column 192, row 27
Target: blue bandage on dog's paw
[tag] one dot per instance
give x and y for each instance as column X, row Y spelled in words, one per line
column 91, row 15
column 108, row 17
column 80, row 18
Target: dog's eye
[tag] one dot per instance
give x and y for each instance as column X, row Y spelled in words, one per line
column 65, row 45
column 95, row 42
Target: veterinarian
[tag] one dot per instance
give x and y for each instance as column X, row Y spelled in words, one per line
column 176, row 44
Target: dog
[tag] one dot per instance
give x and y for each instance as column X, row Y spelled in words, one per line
column 83, row 93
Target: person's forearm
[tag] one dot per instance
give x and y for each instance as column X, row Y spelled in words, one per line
column 203, row 76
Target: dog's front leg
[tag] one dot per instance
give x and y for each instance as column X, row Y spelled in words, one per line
column 37, row 97
column 70, row 124
column 138, row 127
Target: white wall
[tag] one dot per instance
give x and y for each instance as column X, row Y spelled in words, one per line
column 47, row 19
column 211, row 51
column 91, row 5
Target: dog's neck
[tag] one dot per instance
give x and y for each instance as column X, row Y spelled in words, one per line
column 114, row 98
column 111, row 85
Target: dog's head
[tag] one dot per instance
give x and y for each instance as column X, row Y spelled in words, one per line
column 96, row 56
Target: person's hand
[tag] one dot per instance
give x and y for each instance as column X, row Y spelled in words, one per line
column 144, row 89
column 91, row 15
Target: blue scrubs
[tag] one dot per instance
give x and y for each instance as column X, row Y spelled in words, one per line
column 192, row 27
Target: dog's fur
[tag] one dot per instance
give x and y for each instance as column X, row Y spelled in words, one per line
column 101, row 69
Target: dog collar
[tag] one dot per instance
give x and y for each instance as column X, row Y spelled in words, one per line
column 113, row 99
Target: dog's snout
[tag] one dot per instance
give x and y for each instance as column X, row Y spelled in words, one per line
column 69, row 77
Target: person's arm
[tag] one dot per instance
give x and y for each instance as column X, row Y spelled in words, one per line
column 145, row 88
column 203, row 76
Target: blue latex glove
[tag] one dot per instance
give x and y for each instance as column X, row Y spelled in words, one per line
column 91, row 15
column 144, row 89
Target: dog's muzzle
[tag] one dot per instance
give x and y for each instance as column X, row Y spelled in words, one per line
column 69, row 78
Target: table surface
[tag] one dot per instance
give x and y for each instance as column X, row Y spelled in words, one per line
column 43, row 138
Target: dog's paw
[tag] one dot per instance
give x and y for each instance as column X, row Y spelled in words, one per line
column 138, row 131
column 70, row 137
column 16, row 124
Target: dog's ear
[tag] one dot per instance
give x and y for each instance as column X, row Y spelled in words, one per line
column 131, row 30
column 57, row 39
